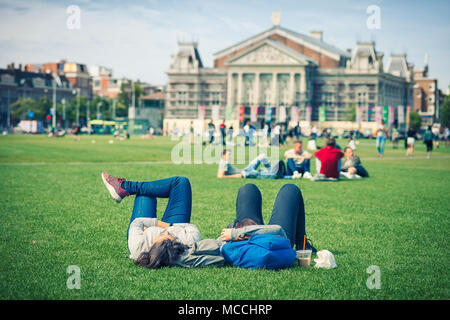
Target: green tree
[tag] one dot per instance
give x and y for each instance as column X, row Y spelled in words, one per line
column 350, row 113
column 20, row 108
column 125, row 95
column 121, row 110
column 71, row 108
column 445, row 112
column 415, row 120
column 43, row 107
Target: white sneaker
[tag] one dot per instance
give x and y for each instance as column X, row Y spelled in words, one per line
column 307, row 175
column 296, row 175
column 345, row 174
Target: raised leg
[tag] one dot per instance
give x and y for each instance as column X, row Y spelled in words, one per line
column 249, row 204
column 289, row 213
column 177, row 189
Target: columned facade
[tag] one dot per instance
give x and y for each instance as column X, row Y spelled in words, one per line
column 282, row 76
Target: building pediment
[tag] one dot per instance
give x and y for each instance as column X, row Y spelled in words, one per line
column 269, row 53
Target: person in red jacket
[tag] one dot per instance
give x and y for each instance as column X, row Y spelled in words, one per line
column 329, row 158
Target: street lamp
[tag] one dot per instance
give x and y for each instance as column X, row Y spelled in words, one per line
column 64, row 113
column 54, row 105
column 77, row 90
column 88, row 117
column 98, row 109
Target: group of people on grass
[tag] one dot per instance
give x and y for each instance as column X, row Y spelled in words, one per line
column 174, row 241
column 331, row 163
column 54, row 133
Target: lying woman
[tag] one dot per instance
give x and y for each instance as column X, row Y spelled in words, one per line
column 174, row 241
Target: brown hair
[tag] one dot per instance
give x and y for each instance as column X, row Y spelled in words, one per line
column 331, row 142
column 161, row 254
column 244, row 222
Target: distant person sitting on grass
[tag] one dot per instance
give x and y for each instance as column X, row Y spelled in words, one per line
column 298, row 161
column 56, row 133
column 329, row 157
column 75, row 131
column 171, row 241
column 352, row 167
column 227, row 170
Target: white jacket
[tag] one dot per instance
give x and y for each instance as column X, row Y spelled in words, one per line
column 141, row 241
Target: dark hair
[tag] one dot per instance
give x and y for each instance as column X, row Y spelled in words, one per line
column 296, row 142
column 331, row 142
column 161, row 254
column 224, row 151
column 429, row 128
column 244, row 222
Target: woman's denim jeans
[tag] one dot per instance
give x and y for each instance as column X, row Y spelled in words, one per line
column 177, row 189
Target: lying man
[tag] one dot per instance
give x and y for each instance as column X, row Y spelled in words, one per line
column 298, row 161
column 352, row 167
column 227, row 170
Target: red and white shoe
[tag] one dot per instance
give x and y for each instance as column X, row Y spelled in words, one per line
column 113, row 186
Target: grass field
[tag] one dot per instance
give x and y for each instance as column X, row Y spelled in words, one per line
column 55, row 212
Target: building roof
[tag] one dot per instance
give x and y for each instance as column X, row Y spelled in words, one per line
column 154, row 96
column 299, row 37
column 24, row 77
column 398, row 65
column 279, row 46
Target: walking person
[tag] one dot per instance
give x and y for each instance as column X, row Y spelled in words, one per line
column 395, row 137
column 298, row 132
column 447, row 137
column 410, row 141
column 211, row 131
column 381, row 138
column 230, row 134
column 314, row 132
column 428, row 140
column 435, row 132
column 223, row 132
column 191, row 133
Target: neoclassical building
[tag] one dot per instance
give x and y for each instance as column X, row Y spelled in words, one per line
column 280, row 75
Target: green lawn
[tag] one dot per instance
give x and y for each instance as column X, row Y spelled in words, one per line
column 56, row 212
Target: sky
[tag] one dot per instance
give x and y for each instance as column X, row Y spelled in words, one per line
column 136, row 38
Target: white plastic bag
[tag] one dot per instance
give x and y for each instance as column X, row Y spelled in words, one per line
column 352, row 145
column 311, row 145
column 325, row 260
